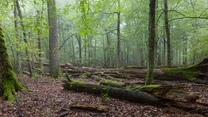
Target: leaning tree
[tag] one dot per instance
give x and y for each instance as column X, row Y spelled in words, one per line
column 8, row 82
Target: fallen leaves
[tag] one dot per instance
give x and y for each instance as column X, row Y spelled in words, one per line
column 46, row 98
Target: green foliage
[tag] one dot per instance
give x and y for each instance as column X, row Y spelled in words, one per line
column 104, row 95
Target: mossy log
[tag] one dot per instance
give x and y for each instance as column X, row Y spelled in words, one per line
column 196, row 73
column 169, row 92
column 8, row 82
column 159, row 95
column 134, row 96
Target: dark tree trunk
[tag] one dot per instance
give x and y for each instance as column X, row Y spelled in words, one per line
column 53, row 39
column 167, row 32
column 151, row 54
column 118, row 35
column 185, row 44
column 164, row 50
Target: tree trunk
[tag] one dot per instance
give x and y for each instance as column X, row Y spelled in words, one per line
column 79, row 40
column 40, row 63
column 18, row 63
column 53, row 39
column 151, row 54
column 167, row 29
column 118, row 35
column 185, row 44
column 25, row 38
column 8, row 82
column 108, row 58
column 89, row 45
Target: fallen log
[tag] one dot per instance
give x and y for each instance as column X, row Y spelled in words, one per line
column 178, row 93
column 134, row 96
column 105, row 82
column 159, row 96
column 196, row 73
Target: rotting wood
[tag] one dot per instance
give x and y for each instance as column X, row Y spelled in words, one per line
column 134, row 96
column 143, row 97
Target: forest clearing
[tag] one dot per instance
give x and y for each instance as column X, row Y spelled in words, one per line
column 104, row 58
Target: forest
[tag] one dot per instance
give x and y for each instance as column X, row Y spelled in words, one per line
column 104, row 58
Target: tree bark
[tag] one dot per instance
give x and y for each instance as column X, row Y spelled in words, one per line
column 8, row 82
column 40, row 63
column 108, row 49
column 167, row 29
column 151, row 54
column 118, row 35
column 185, row 49
column 53, row 39
column 79, row 40
column 18, row 63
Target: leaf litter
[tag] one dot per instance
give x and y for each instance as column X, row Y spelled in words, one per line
column 45, row 97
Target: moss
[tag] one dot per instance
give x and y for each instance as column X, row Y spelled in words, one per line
column 187, row 72
column 78, row 83
column 9, row 82
column 85, row 74
column 145, row 87
column 110, row 82
column 10, row 85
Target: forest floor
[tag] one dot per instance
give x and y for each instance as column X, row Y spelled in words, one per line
column 45, row 97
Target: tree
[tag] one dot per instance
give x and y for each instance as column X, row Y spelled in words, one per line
column 118, row 34
column 18, row 63
column 53, row 39
column 8, row 82
column 151, row 42
column 25, row 37
column 40, row 63
column 167, row 30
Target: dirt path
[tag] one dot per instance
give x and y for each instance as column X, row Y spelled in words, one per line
column 46, row 98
